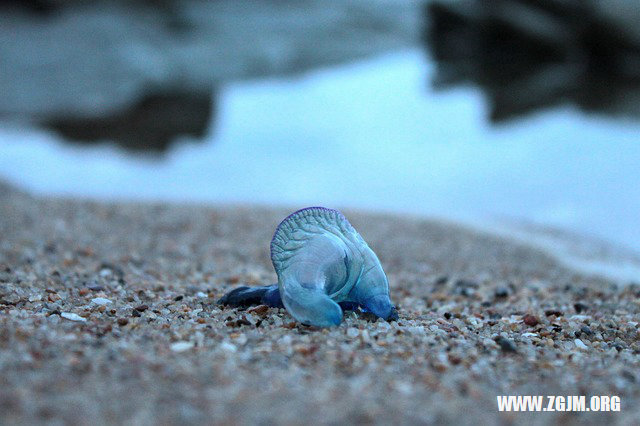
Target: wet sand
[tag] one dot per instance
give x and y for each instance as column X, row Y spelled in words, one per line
column 108, row 316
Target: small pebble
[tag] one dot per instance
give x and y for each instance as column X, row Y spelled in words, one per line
column 586, row 330
column 580, row 307
column 580, row 344
column 353, row 332
column 501, row 292
column 241, row 339
column 505, row 344
column 100, row 301
column 72, row 317
column 530, row 320
column 442, row 280
column 181, row 346
column 259, row 310
column 228, row 347
column 95, row 287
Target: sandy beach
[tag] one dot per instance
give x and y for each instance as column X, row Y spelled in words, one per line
column 108, row 316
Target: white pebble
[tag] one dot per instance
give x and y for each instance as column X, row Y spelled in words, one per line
column 72, row 317
column 404, row 388
column 251, row 319
column 101, row 301
column 202, row 295
column 383, row 325
column 580, row 317
column 352, row 332
column 228, row 347
column 181, row 346
column 580, row 344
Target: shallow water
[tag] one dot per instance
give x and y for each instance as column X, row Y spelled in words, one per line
column 373, row 135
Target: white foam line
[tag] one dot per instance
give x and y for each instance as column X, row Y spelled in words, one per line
column 582, row 254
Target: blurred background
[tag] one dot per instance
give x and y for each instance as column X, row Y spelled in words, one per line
column 518, row 116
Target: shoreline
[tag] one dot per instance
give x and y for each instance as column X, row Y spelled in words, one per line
column 586, row 255
column 142, row 340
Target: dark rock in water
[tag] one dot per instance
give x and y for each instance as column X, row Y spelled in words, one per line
column 151, row 124
column 529, row 55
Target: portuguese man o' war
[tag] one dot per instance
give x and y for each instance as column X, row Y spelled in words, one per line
column 324, row 267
